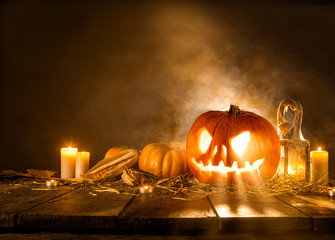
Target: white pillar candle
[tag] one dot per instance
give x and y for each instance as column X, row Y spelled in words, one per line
column 82, row 163
column 68, row 162
column 319, row 164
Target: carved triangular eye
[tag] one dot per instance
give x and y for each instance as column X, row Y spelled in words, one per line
column 240, row 142
column 205, row 140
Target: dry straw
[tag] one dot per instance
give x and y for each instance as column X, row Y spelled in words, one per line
column 186, row 187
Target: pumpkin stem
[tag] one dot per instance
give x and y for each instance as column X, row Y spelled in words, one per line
column 234, row 110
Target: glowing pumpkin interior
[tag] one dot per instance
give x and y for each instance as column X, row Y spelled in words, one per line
column 238, row 145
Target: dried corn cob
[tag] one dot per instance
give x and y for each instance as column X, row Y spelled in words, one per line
column 113, row 165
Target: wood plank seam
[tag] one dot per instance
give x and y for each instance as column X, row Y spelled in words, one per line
column 15, row 220
column 312, row 219
column 216, row 213
column 16, row 215
column 126, row 207
column 59, row 198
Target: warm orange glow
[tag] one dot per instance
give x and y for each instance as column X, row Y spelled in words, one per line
column 291, row 171
column 240, row 142
column 69, row 149
column 205, row 141
column 234, row 168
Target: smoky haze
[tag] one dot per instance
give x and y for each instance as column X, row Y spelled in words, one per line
column 97, row 74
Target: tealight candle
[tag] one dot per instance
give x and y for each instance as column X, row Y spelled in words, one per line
column 52, row 183
column 68, row 162
column 331, row 191
column 82, row 163
column 146, row 189
column 319, row 164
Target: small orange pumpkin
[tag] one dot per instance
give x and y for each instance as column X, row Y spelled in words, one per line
column 232, row 146
column 163, row 159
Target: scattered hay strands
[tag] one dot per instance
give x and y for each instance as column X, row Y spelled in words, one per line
column 188, row 188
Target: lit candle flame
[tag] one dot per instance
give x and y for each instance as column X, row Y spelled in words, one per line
column 319, row 149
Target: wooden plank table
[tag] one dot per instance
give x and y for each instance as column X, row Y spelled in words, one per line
column 156, row 214
column 320, row 208
column 77, row 209
column 245, row 212
column 17, row 197
column 30, row 207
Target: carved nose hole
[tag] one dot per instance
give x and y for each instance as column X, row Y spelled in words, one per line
column 224, row 153
column 214, row 151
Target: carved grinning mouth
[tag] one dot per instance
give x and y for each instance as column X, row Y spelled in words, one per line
column 224, row 169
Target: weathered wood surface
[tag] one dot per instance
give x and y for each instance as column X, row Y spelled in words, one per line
column 19, row 196
column 31, row 206
column 246, row 212
column 150, row 212
column 320, row 208
column 79, row 209
column 241, row 235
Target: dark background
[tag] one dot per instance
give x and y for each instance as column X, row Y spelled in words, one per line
column 97, row 74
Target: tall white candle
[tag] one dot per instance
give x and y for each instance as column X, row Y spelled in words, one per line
column 82, row 163
column 319, row 164
column 68, row 162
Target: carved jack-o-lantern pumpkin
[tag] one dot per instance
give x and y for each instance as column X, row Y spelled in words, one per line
column 232, row 146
